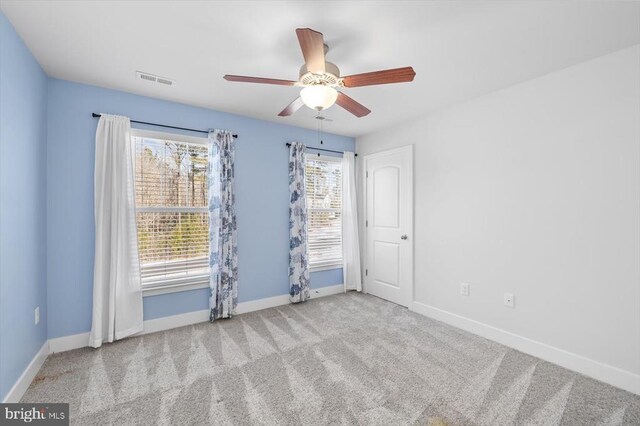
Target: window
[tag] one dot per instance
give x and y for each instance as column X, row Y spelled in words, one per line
column 171, row 209
column 323, row 179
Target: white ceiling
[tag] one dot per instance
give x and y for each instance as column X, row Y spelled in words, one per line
column 459, row 50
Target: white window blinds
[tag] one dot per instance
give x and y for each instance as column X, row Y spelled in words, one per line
column 171, row 211
column 323, row 179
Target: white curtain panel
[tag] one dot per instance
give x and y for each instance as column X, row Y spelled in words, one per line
column 117, row 294
column 352, row 275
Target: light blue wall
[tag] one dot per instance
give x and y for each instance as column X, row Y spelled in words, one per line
column 23, row 116
column 194, row 300
column 261, row 190
column 46, row 202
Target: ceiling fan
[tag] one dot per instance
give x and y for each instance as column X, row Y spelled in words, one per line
column 321, row 79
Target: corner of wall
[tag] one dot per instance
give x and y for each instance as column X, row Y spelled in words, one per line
column 23, row 250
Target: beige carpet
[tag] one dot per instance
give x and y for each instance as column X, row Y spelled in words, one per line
column 346, row 359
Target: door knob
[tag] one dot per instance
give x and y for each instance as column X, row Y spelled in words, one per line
column 404, row 237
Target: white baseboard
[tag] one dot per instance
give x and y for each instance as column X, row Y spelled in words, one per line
column 67, row 343
column 326, row 291
column 174, row 321
column 260, row 304
column 271, row 302
column 189, row 318
column 606, row 373
column 27, row 376
column 81, row 340
column 76, row 341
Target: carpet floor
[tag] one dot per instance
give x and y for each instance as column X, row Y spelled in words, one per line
column 345, row 359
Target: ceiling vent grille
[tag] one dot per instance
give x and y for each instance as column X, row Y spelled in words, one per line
column 154, row 78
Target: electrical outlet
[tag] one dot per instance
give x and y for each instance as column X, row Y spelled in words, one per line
column 464, row 289
column 509, row 300
column 37, row 315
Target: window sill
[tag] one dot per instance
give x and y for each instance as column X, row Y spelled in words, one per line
column 171, row 288
column 324, row 267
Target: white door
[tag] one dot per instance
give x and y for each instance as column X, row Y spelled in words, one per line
column 389, row 225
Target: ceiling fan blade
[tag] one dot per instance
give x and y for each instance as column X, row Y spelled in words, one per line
column 312, row 45
column 245, row 79
column 292, row 107
column 352, row 106
column 396, row 75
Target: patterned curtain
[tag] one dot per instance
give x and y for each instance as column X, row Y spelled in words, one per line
column 223, row 248
column 298, row 256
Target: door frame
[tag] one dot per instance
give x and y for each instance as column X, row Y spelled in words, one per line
column 409, row 232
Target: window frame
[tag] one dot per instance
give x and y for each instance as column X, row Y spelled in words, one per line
column 181, row 284
column 336, row 264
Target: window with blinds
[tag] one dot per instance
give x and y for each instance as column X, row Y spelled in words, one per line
column 323, row 181
column 171, row 210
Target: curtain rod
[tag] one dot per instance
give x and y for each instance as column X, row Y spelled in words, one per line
column 164, row 125
column 321, row 149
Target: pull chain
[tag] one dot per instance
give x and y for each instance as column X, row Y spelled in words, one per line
column 319, row 131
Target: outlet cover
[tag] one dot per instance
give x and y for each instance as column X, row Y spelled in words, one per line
column 464, row 289
column 509, row 300
column 37, row 315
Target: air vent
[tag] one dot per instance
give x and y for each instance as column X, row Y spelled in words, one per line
column 154, row 78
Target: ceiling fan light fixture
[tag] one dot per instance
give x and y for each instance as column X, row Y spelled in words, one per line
column 319, row 97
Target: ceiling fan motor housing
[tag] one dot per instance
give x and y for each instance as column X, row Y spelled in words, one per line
column 331, row 76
